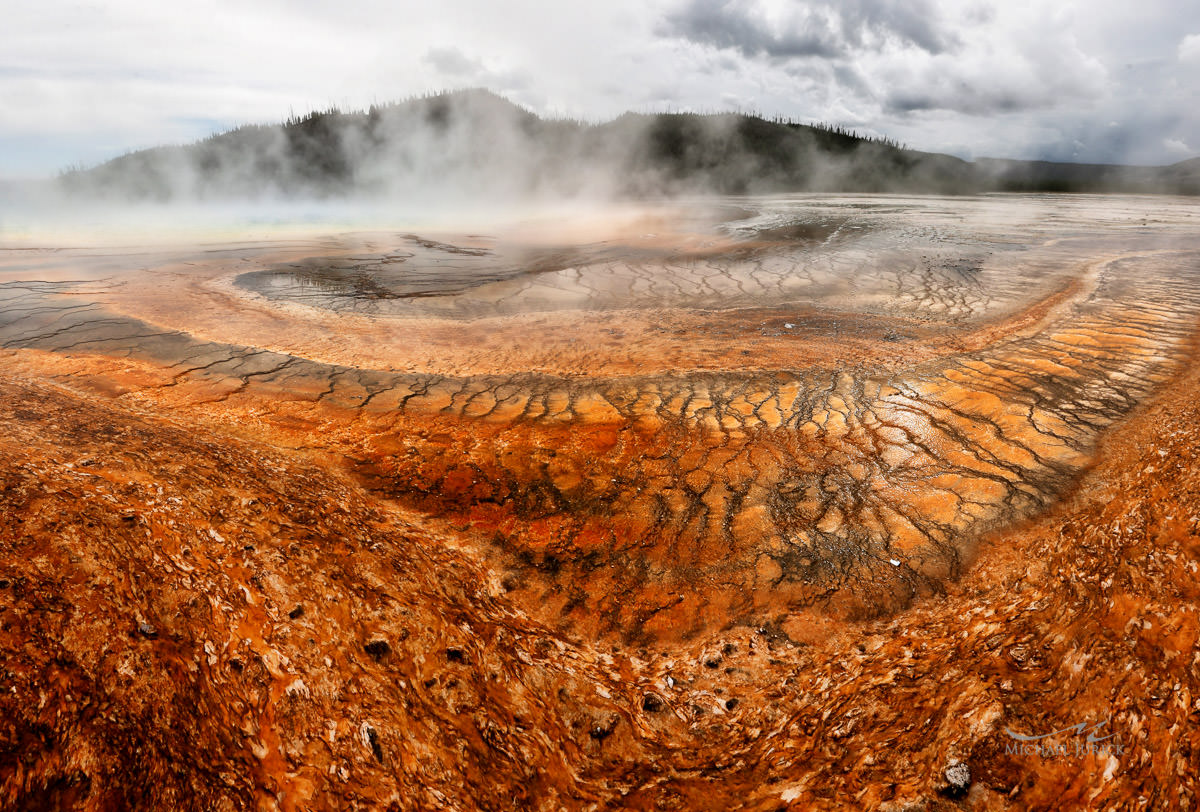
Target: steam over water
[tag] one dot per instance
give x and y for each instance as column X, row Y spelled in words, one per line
column 729, row 503
column 681, row 415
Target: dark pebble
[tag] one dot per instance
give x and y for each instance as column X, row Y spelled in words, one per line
column 455, row 655
column 652, row 703
column 378, row 649
column 376, row 750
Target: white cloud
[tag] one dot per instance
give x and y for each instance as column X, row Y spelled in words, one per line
column 1189, row 49
column 1176, row 146
column 981, row 77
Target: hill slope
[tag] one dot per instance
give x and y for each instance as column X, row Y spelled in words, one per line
column 474, row 143
column 1046, row 176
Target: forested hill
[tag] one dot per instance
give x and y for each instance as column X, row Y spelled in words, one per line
column 474, row 143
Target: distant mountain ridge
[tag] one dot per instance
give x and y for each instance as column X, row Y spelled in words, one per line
column 1182, row 178
column 478, row 144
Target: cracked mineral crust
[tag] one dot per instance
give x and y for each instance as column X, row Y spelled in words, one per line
column 752, row 504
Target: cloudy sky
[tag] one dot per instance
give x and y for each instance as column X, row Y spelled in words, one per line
column 1093, row 80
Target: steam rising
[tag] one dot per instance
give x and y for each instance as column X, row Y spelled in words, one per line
column 474, row 145
column 462, row 152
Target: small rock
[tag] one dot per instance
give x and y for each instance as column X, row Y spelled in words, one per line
column 652, row 703
column 297, row 612
column 378, row 649
column 370, row 739
column 730, row 704
column 1018, row 654
column 147, row 630
column 958, row 774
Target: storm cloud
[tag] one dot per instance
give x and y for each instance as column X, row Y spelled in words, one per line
column 822, row 28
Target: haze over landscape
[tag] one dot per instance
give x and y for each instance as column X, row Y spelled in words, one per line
column 1097, row 82
column 472, row 145
column 693, row 405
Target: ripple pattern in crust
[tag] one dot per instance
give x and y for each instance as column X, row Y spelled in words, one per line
column 259, row 553
column 892, row 386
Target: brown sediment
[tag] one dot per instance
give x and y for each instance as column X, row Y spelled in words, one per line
column 324, row 583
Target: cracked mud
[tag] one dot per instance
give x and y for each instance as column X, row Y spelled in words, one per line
column 669, row 500
column 750, row 420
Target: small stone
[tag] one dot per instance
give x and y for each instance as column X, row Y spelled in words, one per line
column 370, row 740
column 147, row 630
column 378, row 649
column 730, row 704
column 652, row 703
column 1019, row 654
column 958, row 774
column 297, row 612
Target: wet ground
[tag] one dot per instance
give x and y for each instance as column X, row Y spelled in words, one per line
column 776, row 501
